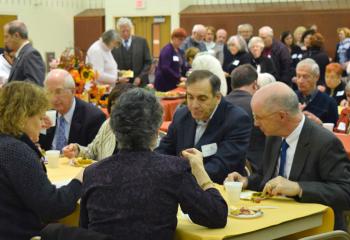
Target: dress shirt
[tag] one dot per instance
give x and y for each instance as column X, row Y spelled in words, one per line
column 102, row 61
column 127, row 43
column 201, row 126
column 68, row 118
column 5, row 69
column 292, row 141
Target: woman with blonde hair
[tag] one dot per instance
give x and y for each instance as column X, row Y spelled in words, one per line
column 28, row 198
column 297, row 34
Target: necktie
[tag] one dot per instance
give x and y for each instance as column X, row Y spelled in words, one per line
column 126, row 45
column 61, row 140
column 283, row 159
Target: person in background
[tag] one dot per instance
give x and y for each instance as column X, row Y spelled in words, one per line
column 209, row 40
column 205, row 61
column 171, row 67
column 190, row 54
column 235, row 54
column 297, row 34
column 342, row 53
column 196, row 39
column 104, row 144
column 221, row 37
column 305, row 39
column 246, row 31
column 244, row 85
column 279, row 54
column 302, row 160
column 335, row 87
column 77, row 121
column 210, row 124
column 6, row 61
column 28, row 198
column 264, row 79
column 99, row 55
column 346, row 101
column 315, row 104
column 261, row 63
column 133, row 54
column 316, row 52
column 135, row 194
column 29, row 65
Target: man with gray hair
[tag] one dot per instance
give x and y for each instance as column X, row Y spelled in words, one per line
column 28, row 64
column 279, row 54
column 246, row 31
column 100, row 57
column 317, row 105
column 196, row 39
column 302, row 160
column 133, row 54
column 221, row 37
column 77, row 121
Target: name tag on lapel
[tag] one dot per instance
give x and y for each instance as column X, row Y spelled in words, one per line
column 235, row 62
column 176, row 58
column 340, row 93
column 209, row 149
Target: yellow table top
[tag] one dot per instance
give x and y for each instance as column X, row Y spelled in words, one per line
column 287, row 210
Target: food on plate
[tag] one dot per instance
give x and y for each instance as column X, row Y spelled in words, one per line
column 257, row 197
column 170, row 94
column 244, row 211
column 81, row 162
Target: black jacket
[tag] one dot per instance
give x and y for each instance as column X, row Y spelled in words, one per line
column 321, row 58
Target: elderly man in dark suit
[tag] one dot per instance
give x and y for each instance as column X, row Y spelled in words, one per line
column 28, row 64
column 301, row 159
column 77, row 121
column 133, row 54
column 244, row 85
column 210, row 124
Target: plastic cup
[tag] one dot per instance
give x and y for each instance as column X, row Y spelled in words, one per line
column 233, row 190
column 329, row 126
column 53, row 157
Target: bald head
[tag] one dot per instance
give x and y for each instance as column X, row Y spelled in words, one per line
column 221, row 36
column 276, row 96
column 60, row 77
column 266, row 34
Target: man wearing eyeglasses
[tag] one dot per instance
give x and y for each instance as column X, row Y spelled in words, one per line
column 301, row 159
column 77, row 121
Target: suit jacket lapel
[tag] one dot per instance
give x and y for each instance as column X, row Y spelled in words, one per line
column 18, row 59
column 75, row 126
column 189, row 131
column 301, row 152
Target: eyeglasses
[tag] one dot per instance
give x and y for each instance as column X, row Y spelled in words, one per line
column 57, row 91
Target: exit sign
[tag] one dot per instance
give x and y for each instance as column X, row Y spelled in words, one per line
column 139, row 3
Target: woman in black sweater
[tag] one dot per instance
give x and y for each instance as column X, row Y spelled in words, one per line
column 27, row 199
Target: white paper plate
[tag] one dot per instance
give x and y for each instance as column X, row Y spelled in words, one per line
column 244, row 216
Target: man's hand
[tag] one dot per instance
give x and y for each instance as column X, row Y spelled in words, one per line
column 46, row 122
column 137, row 81
column 282, row 186
column 71, row 150
column 235, row 176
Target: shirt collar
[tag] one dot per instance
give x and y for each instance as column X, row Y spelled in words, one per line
column 200, row 122
column 294, row 136
column 20, row 48
column 309, row 98
column 69, row 115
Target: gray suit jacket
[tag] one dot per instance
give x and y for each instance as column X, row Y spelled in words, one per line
column 141, row 58
column 28, row 66
column 320, row 166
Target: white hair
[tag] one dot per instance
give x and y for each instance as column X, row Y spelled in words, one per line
column 124, row 21
column 205, row 61
column 198, row 28
column 264, row 79
column 239, row 42
column 245, row 26
column 315, row 69
column 256, row 41
column 67, row 78
column 266, row 29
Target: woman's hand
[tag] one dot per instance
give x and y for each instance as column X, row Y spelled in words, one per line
column 194, row 156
